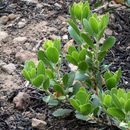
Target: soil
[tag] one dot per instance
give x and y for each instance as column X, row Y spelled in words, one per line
column 46, row 20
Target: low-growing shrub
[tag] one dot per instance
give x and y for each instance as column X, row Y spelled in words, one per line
column 83, row 88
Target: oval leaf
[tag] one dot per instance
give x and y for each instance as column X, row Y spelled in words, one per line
column 127, row 106
column 38, row 80
column 71, row 60
column 46, row 84
column 87, row 39
column 40, row 68
column 108, row 43
column 94, row 24
column 83, row 65
column 111, row 83
column 52, row 54
column 58, row 88
column 116, row 113
column 86, row 109
column 62, row 112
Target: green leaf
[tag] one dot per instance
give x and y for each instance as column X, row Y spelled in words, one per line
column 127, row 106
column 38, row 80
column 57, row 44
column 58, row 88
column 33, row 73
column 121, row 93
column 98, row 3
column 71, row 60
column 80, row 76
column 40, row 68
column 76, row 87
column 118, row 75
column 108, row 43
column 74, row 35
column 86, row 109
column 87, row 39
column 50, row 100
column 74, row 104
column 71, row 49
column 30, row 65
column 87, row 27
column 75, row 55
column 90, row 54
column 65, row 79
column 107, row 100
column 26, row 75
column 71, row 11
column 78, row 11
column 82, row 55
column 100, row 35
column 101, row 55
column 49, row 73
column 111, row 83
column 94, row 24
column 113, row 91
column 42, row 56
column 116, row 101
column 128, row 95
column 128, row 2
column 46, row 84
column 85, row 12
column 52, row 54
column 116, row 113
column 108, row 75
column 61, row 112
column 106, row 19
column 74, row 26
column 81, row 96
column 95, row 112
column 83, row 65
column 71, row 78
column 82, row 117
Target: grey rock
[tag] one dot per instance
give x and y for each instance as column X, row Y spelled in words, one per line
column 20, row 40
column 12, row 16
column 4, row 20
column 10, row 68
column 26, row 55
column 3, row 35
column 39, row 124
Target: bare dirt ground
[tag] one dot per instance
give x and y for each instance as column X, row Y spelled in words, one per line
column 22, row 34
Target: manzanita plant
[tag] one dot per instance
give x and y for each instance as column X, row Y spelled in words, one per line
column 83, row 88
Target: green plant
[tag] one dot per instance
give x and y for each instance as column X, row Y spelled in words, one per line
column 87, row 29
column 117, row 103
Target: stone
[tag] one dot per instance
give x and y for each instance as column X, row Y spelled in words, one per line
column 128, row 48
column 9, row 68
column 22, row 100
column 20, row 40
column 2, row 63
column 25, row 56
column 65, row 37
column 64, row 30
column 22, row 23
column 58, row 5
column 4, row 20
column 108, row 32
column 3, row 35
column 12, row 16
column 39, row 124
column 40, row 116
column 31, row 1
column 53, row 37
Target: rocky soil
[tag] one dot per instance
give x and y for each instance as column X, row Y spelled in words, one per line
column 24, row 26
